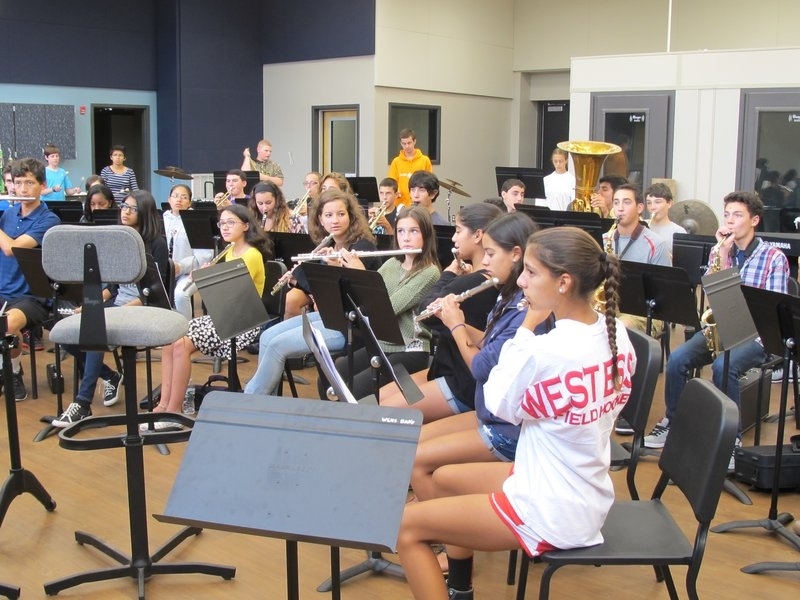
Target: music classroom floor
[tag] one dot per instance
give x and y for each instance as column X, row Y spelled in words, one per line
column 37, row 546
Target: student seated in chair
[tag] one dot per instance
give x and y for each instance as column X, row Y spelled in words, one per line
column 239, row 228
column 138, row 210
column 565, row 388
column 22, row 225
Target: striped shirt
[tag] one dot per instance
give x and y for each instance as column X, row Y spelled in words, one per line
column 766, row 267
column 121, row 184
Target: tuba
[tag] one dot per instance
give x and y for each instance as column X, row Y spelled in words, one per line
column 587, row 158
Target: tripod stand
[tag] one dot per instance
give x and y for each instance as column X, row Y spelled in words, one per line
column 777, row 317
column 20, row 480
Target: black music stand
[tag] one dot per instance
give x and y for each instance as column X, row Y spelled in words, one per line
column 588, row 221
column 233, row 303
column 338, row 491
column 365, row 189
column 356, row 299
column 20, row 480
column 30, row 263
column 201, row 228
column 777, row 318
column 287, row 245
column 657, row 292
column 105, row 216
column 690, row 252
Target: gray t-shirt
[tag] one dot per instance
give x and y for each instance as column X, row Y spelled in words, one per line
column 666, row 231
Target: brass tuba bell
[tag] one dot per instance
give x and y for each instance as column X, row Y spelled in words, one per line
column 587, row 158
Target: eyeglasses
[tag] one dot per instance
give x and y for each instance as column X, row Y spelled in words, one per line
column 180, row 196
column 129, row 207
column 228, row 223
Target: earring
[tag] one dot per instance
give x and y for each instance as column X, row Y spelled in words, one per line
column 560, row 290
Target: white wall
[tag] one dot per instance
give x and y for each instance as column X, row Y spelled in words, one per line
column 707, row 97
column 290, row 92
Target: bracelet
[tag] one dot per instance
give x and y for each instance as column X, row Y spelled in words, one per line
column 452, row 329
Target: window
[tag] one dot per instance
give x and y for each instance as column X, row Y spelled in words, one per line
column 426, row 121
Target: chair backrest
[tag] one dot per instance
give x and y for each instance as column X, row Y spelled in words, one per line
column 648, row 364
column 274, row 304
column 120, row 253
column 698, row 449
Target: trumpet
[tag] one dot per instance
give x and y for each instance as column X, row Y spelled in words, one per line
column 461, row 264
column 436, row 305
column 191, row 287
column 226, row 197
column 301, row 204
column 359, row 253
column 286, row 277
column 373, row 222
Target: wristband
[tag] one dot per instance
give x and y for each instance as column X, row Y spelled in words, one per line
column 454, row 327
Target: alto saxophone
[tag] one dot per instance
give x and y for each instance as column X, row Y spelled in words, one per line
column 707, row 320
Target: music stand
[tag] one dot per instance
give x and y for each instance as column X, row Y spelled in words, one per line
column 338, row 491
column 105, row 216
column 690, row 252
column 233, row 304
column 365, row 189
column 201, row 228
column 30, row 263
column 588, row 221
column 68, row 212
column 445, row 244
column 777, row 319
column 657, row 292
column 19, row 480
column 286, row 245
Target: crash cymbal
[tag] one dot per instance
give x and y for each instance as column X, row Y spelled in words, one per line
column 173, row 173
column 453, row 186
column 695, row 216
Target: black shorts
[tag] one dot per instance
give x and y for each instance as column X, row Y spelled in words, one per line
column 35, row 311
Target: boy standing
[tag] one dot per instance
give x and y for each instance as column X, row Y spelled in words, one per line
column 659, row 201
column 409, row 160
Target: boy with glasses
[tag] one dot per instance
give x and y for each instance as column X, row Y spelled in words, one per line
column 22, row 226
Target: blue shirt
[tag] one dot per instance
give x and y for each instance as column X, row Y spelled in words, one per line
column 57, row 177
column 13, row 224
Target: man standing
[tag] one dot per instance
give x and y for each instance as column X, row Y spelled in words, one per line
column 409, row 160
column 22, row 226
column 268, row 170
column 760, row 266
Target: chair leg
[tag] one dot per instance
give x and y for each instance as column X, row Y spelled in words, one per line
column 544, row 583
column 32, row 352
column 522, row 581
column 290, row 379
column 512, row 567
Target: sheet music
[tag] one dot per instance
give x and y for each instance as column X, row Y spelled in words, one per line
column 321, row 352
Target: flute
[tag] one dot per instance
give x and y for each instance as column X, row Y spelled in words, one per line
column 461, row 264
column 286, row 277
column 436, row 305
column 191, row 287
column 359, row 253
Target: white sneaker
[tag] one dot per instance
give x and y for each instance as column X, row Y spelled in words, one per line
column 160, row 426
column 777, row 375
column 658, row 436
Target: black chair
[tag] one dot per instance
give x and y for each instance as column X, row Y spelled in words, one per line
column 115, row 254
column 643, row 532
column 635, row 411
column 275, row 305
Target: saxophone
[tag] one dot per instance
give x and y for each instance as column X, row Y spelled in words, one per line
column 707, row 321
column 608, row 248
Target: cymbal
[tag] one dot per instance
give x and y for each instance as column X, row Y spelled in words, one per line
column 453, row 186
column 173, row 173
column 695, row 216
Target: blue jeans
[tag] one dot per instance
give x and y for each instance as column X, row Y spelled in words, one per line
column 91, row 368
column 281, row 341
column 694, row 354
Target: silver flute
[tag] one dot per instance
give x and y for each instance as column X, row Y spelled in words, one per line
column 461, row 264
column 436, row 305
column 358, row 253
column 286, row 277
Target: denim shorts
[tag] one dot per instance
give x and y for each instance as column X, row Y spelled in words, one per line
column 502, row 447
column 456, row 405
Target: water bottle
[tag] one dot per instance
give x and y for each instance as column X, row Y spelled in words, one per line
column 188, row 400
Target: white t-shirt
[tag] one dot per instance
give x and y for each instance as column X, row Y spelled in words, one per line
column 559, row 386
column 666, row 231
column 559, row 189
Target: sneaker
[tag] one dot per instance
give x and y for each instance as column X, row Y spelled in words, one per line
column 459, row 594
column 658, row 436
column 777, row 375
column 75, row 412
column 732, row 463
column 111, row 389
column 20, row 391
column 622, row 427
